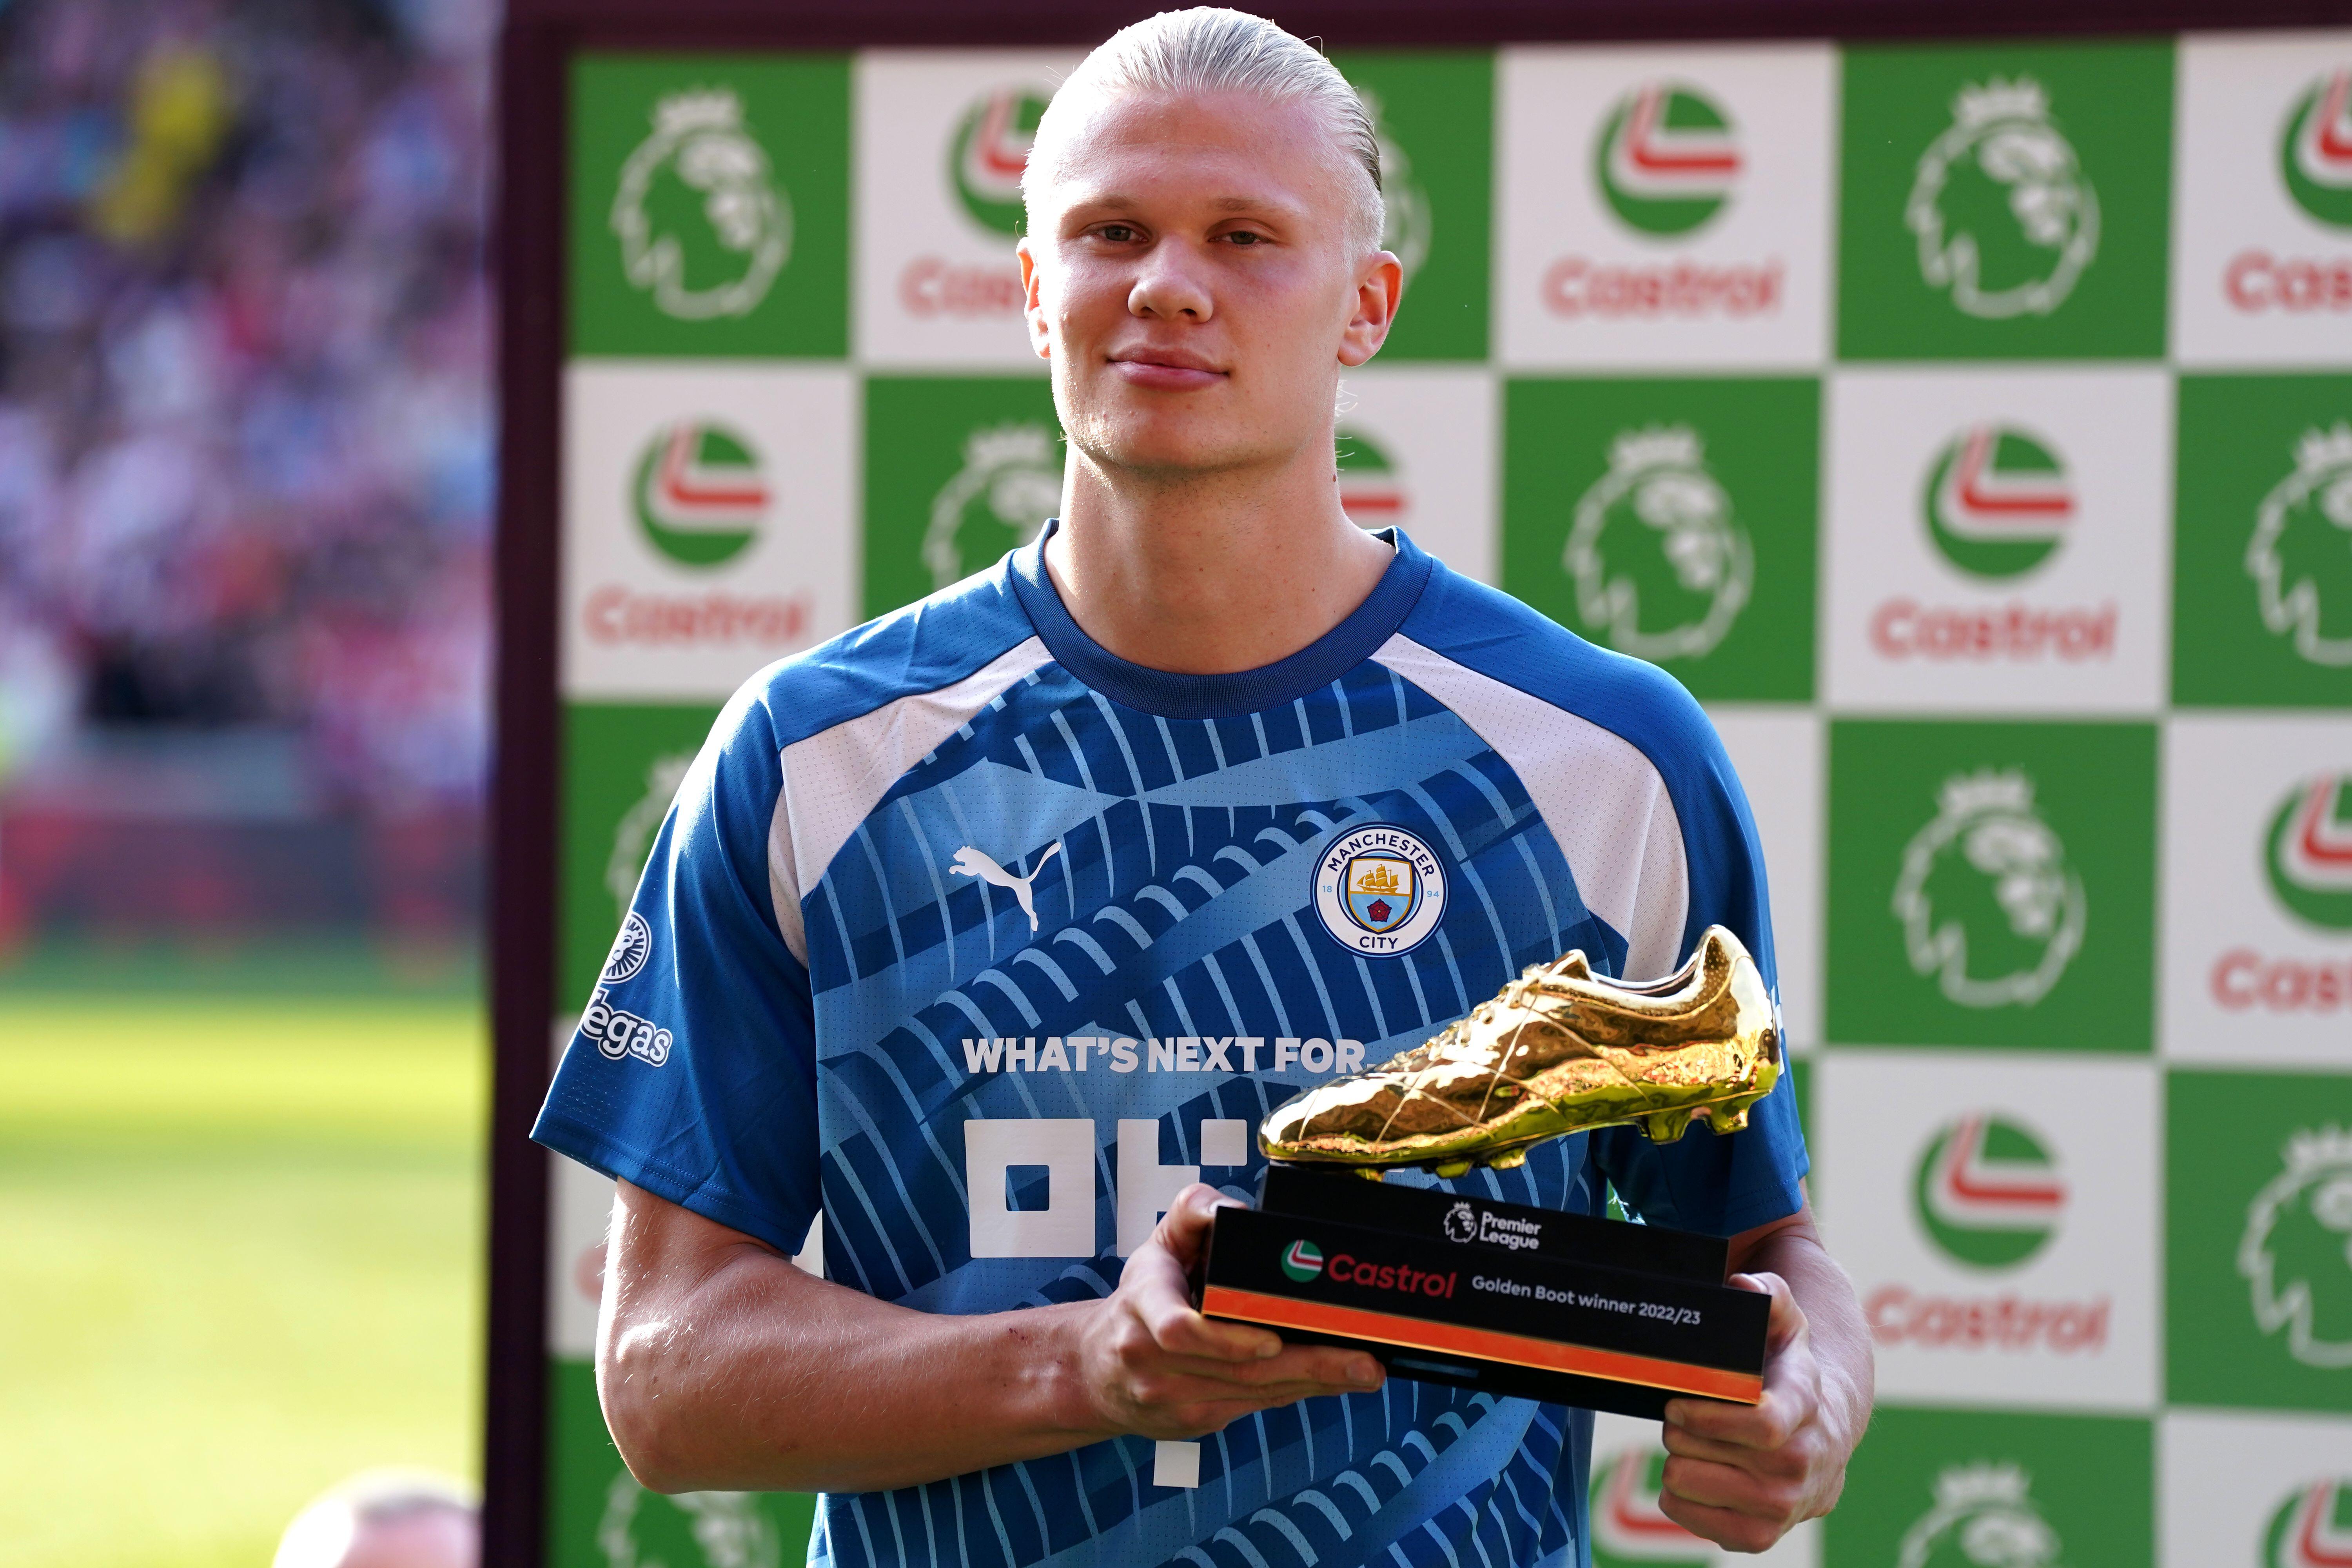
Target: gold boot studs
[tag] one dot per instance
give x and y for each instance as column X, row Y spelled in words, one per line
column 1557, row 1051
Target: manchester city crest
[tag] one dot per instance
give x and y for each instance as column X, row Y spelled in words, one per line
column 1379, row 891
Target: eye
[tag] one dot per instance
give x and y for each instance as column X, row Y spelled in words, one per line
column 1246, row 237
column 1117, row 232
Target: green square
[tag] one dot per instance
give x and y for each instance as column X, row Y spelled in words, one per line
column 1435, row 114
column 2068, row 266
column 2258, row 1287
column 1927, row 1486
column 597, row 1515
column 959, row 469
column 2261, row 580
column 622, row 763
column 652, row 271
column 1992, row 884
column 1670, row 520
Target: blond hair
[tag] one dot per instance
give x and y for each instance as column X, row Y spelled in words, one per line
column 1210, row 48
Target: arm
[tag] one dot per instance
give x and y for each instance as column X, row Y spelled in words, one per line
column 1740, row 1474
column 722, row 1366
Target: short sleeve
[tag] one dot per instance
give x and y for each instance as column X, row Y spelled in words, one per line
column 1720, row 1185
column 693, row 1072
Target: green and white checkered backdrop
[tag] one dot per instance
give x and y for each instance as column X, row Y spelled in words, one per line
column 1970, row 427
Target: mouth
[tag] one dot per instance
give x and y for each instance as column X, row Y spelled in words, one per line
column 1170, row 369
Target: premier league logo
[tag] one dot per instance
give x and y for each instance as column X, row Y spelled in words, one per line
column 1998, row 503
column 2315, row 151
column 703, row 225
column 2297, row 1249
column 1379, row 891
column 2301, row 554
column 698, row 493
column 988, row 152
column 1667, row 160
column 1989, row 904
column 712, row 1530
column 1984, row 1516
column 2006, row 218
column 1405, row 230
column 1661, row 567
column 1011, row 482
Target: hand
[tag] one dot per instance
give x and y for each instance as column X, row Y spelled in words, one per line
column 1152, row 1366
column 1740, row 1474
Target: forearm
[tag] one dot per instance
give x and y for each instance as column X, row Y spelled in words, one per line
column 740, row 1372
column 1840, row 1340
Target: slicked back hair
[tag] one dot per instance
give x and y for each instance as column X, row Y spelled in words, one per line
column 1208, row 49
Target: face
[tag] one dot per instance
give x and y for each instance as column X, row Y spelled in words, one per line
column 1196, row 276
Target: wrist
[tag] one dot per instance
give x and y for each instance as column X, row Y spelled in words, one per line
column 1068, row 1402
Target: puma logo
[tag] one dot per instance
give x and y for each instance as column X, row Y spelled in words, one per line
column 971, row 862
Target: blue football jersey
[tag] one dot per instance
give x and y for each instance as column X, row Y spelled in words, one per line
column 979, row 943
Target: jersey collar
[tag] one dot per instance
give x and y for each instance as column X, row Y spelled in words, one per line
column 1174, row 696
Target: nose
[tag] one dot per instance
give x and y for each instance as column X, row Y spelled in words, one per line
column 1170, row 286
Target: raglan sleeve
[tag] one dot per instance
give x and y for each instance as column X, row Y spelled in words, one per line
column 692, row 1073
column 1720, row 1185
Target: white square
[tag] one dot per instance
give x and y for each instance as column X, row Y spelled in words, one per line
column 1634, row 234
column 1998, row 1212
column 709, row 522
column 1224, row 1141
column 1998, row 541
column 2257, row 912
column 2226, row 1482
column 1627, row 1526
column 1417, row 449
column 939, row 147
column 2261, row 217
column 1777, row 751
column 1175, row 1464
column 1064, row 1145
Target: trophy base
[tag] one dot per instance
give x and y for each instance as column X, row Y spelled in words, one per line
column 1475, row 1294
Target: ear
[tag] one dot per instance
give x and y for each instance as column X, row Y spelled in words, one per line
column 1033, row 308
column 1379, row 287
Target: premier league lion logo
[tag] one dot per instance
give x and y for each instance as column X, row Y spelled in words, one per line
column 2301, row 554
column 2007, row 220
column 1988, row 905
column 1661, row 565
column 2296, row 1250
column 703, row 226
column 1011, row 482
column 718, row 1530
column 1984, row 1516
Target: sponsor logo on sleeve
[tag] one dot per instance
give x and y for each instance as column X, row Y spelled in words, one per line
column 1989, row 905
column 714, row 253
column 2300, row 556
column 1663, row 565
column 2006, row 218
column 2295, row 1253
column 617, row 1034
column 1985, row 1516
column 1379, row 891
column 630, row 950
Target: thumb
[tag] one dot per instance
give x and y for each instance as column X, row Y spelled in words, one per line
column 1788, row 1319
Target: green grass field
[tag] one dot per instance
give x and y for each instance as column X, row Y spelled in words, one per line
column 239, row 1259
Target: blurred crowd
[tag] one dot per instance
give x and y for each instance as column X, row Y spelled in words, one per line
column 246, row 417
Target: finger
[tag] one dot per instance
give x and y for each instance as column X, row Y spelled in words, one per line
column 1792, row 1399
column 1729, row 1488
column 1183, row 1230
column 1725, row 1527
column 1326, row 1368
column 1788, row 1319
column 1789, row 1461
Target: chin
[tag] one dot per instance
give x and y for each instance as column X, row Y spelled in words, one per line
column 1155, row 445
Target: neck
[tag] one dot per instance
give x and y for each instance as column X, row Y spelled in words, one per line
column 1209, row 574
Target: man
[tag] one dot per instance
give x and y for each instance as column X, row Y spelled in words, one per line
column 986, row 928
column 385, row 1519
